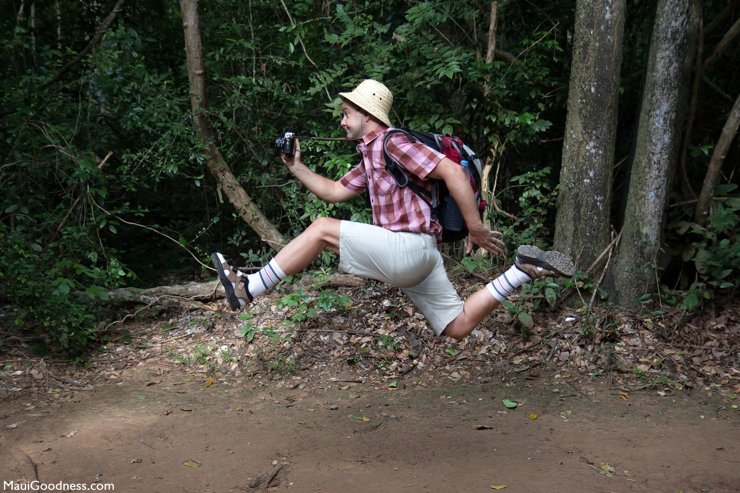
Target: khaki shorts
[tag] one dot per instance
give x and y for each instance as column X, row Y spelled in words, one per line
column 409, row 261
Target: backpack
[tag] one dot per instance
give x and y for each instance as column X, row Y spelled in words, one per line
column 443, row 206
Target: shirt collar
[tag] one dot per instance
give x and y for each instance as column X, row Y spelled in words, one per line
column 367, row 139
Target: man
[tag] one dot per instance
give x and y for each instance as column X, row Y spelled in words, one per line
column 400, row 247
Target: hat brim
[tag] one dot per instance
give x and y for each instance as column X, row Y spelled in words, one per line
column 377, row 114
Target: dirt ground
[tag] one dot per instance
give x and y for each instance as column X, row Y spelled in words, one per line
column 163, row 431
column 361, row 399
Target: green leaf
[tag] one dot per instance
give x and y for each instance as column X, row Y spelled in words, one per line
column 525, row 319
column 508, row 404
column 97, row 292
column 550, row 296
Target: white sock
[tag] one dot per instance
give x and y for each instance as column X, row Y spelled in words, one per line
column 265, row 279
column 505, row 284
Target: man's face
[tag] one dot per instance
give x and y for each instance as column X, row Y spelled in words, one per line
column 353, row 121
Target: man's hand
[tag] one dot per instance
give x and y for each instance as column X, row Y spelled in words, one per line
column 290, row 161
column 491, row 241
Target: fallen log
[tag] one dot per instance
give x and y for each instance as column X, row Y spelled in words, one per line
column 192, row 291
column 195, row 293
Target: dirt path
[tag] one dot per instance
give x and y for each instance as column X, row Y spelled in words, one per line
column 170, row 432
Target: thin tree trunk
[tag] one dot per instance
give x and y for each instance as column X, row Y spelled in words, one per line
column 729, row 131
column 724, row 43
column 488, row 161
column 491, row 42
column 58, row 10
column 661, row 124
column 94, row 41
column 32, row 28
column 582, row 223
column 731, row 6
column 693, row 106
column 218, row 167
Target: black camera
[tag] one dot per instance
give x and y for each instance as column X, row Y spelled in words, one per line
column 286, row 143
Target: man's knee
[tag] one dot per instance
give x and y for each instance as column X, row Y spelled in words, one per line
column 326, row 230
column 454, row 332
column 323, row 223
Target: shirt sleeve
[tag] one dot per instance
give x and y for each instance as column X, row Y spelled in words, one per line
column 415, row 157
column 355, row 179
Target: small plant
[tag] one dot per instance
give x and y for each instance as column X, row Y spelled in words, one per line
column 247, row 332
column 301, row 310
column 200, row 354
column 388, row 343
column 204, row 323
column 330, row 300
column 523, row 317
column 656, row 382
column 179, row 358
column 224, row 355
column 473, row 263
column 272, row 334
column 284, row 365
column 588, row 331
column 167, row 328
column 304, row 309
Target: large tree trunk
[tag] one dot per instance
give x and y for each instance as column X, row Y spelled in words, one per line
column 582, row 223
column 659, row 133
column 218, row 167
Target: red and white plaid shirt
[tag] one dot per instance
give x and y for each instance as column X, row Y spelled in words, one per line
column 395, row 208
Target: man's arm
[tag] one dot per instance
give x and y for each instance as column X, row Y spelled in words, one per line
column 324, row 188
column 457, row 183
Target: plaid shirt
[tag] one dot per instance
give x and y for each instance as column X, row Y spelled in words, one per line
column 395, row 208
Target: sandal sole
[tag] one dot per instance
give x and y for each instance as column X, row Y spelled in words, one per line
column 552, row 260
column 228, row 288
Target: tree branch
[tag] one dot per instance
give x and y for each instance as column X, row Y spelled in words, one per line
column 303, row 46
column 118, row 7
column 724, row 43
column 715, row 163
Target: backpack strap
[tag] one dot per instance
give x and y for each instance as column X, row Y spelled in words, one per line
column 399, row 175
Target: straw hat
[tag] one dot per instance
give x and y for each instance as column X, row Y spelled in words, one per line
column 372, row 97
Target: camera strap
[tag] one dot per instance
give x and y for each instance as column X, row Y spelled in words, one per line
column 312, row 137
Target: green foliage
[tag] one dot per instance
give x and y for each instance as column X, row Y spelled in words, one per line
column 300, row 310
column 536, row 200
column 58, row 298
column 474, row 263
column 710, row 254
column 302, row 307
column 330, row 300
column 534, row 296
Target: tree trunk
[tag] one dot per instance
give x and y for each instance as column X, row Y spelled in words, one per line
column 659, row 133
column 715, row 164
column 218, row 167
column 99, row 33
column 582, row 222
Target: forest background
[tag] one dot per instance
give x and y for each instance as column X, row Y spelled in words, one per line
column 126, row 159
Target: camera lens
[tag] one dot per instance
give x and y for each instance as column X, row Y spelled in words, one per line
column 284, row 144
